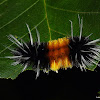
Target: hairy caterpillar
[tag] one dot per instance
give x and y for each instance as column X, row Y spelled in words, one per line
column 56, row 54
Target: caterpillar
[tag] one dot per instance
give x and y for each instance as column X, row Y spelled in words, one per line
column 58, row 54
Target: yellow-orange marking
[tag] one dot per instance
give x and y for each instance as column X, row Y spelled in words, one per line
column 59, row 54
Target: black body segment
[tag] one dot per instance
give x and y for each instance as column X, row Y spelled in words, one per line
column 35, row 53
column 79, row 49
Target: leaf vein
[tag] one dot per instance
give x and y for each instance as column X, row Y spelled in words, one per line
column 3, row 2
column 19, row 14
column 23, row 35
column 58, row 32
column 47, row 18
column 72, row 10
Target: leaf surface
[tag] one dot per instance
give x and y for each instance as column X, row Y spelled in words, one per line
column 51, row 19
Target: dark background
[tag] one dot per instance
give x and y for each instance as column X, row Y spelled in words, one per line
column 70, row 84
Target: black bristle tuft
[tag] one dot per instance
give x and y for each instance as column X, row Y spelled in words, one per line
column 35, row 53
column 81, row 52
column 30, row 54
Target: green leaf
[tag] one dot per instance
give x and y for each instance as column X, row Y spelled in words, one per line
column 52, row 20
